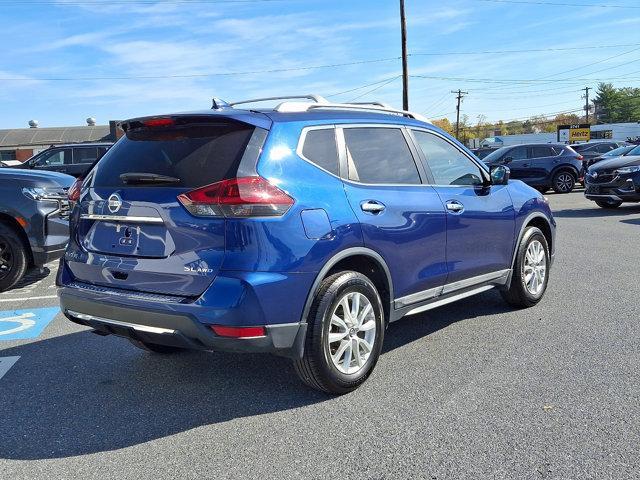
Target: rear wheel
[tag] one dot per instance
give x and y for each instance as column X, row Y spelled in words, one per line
column 563, row 182
column 608, row 203
column 344, row 335
column 531, row 270
column 155, row 347
column 13, row 257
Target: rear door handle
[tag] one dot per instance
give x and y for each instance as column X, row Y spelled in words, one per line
column 372, row 206
column 454, row 206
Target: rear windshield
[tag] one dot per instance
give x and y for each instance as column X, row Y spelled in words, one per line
column 196, row 155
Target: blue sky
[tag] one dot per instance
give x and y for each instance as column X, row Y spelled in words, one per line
column 186, row 50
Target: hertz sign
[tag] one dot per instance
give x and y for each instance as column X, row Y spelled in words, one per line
column 576, row 133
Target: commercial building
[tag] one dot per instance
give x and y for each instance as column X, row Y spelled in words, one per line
column 22, row 143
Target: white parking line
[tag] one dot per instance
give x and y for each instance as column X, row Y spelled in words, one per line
column 6, row 363
column 23, row 299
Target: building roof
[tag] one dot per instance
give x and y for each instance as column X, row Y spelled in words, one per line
column 18, row 137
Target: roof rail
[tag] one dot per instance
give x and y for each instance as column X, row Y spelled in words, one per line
column 371, row 108
column 315, row 98
column 318, row 101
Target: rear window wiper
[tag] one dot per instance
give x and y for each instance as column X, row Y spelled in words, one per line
column 146, row 178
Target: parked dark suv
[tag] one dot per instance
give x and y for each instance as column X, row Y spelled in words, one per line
column 300, row 230
column 542, row 166
column 591, row 150
column 611, row 182
column 72, row 159
column 34, row 226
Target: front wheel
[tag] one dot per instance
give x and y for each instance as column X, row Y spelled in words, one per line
column 531, row 270
column 608, row 203
column 344, row 334
column 563, row 182
column 13, row 258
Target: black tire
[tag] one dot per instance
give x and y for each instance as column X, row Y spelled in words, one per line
column 563, row 181
column 316, row 368
column 608, row 203
column 14, row 259
column 517, row 295
column 156, row 348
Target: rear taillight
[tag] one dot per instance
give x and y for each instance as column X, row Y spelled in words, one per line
column 237, row 197
column 74, row 192
column 580, row 157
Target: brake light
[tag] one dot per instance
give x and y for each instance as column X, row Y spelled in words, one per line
column 237, row 197
column 158, row 122
column 74, row 192
column 238, row 332
column 580, row 157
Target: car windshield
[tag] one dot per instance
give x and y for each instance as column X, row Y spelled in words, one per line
column 618, row 151
column 494, row 155
column 635, row 150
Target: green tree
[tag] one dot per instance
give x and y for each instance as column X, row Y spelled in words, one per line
column 445, row 125
column 608, row 103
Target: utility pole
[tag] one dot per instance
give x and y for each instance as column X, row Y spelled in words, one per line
column 405, row 67
column 459, row 94
column 586, row 104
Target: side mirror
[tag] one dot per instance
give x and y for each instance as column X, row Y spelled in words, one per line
column 500, row 175
column 506, row 160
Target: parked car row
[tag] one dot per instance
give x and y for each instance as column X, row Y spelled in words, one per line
column 72, row 159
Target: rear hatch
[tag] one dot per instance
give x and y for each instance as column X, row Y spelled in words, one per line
column 137, row 233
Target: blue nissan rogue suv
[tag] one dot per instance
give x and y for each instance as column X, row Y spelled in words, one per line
column 301, row 230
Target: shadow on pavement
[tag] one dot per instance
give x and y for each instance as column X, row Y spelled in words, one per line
column 79, row 393
column 597, row 212
column 32, row 276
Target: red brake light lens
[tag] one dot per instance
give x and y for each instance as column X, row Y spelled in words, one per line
column 238, row 332
column 237, row 197
column 74, row 192
column 580, row 157
column 158, row 122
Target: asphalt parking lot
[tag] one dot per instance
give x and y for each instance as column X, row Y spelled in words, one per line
column 470, row 390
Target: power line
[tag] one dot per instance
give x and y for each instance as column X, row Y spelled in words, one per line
column 530, row 50
column 201, row 75
column 376, row 88
column 559, row 4
column 361, row 87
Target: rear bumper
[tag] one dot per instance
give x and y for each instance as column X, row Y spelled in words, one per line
column 164, row 324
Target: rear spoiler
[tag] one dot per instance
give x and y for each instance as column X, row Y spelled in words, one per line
column 212, row 117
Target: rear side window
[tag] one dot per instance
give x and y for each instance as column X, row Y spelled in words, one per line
column 320, row 148
column 379, row 156
column 85, row 155
column 541, row 151
column 197, row 155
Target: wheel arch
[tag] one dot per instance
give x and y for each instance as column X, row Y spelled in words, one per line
column 565, row 168
column 359, row 259
column 12, row 223
column 535, row 219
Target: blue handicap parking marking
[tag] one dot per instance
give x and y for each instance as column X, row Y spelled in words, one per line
column 22, row 324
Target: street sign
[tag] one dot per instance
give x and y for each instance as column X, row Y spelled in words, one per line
column 23, row 324
column 574, row 133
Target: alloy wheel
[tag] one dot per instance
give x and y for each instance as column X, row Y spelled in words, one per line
column 564, row 182
column 535, row 267
column 352, row 333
